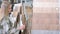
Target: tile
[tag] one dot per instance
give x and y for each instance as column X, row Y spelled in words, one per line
column 45, row 9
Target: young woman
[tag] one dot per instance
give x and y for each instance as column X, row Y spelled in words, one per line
column 17, row 12
column 5, row 23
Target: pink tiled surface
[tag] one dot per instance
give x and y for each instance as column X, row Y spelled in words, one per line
column 45, row 21
column 47, row 0
column 45, row 10
column 45, row 18
column 59, row 27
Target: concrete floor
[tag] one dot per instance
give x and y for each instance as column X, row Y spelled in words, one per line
column 44, row 32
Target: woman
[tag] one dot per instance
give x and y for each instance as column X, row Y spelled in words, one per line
column 26, row 21
column 5, row 22
column 17, row 13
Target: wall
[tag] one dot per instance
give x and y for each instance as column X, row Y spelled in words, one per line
column 45, row 17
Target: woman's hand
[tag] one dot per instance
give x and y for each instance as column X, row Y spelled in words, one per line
column 21, row 27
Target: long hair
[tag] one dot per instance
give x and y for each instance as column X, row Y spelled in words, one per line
column 4, row 7
column 23, row 20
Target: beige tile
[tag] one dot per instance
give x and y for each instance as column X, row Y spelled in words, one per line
column 45, row 27
column 45, row 10
column 59, row 27
column 52, row 27
column 46, row 0
column 44, row 18
column 45, row 21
